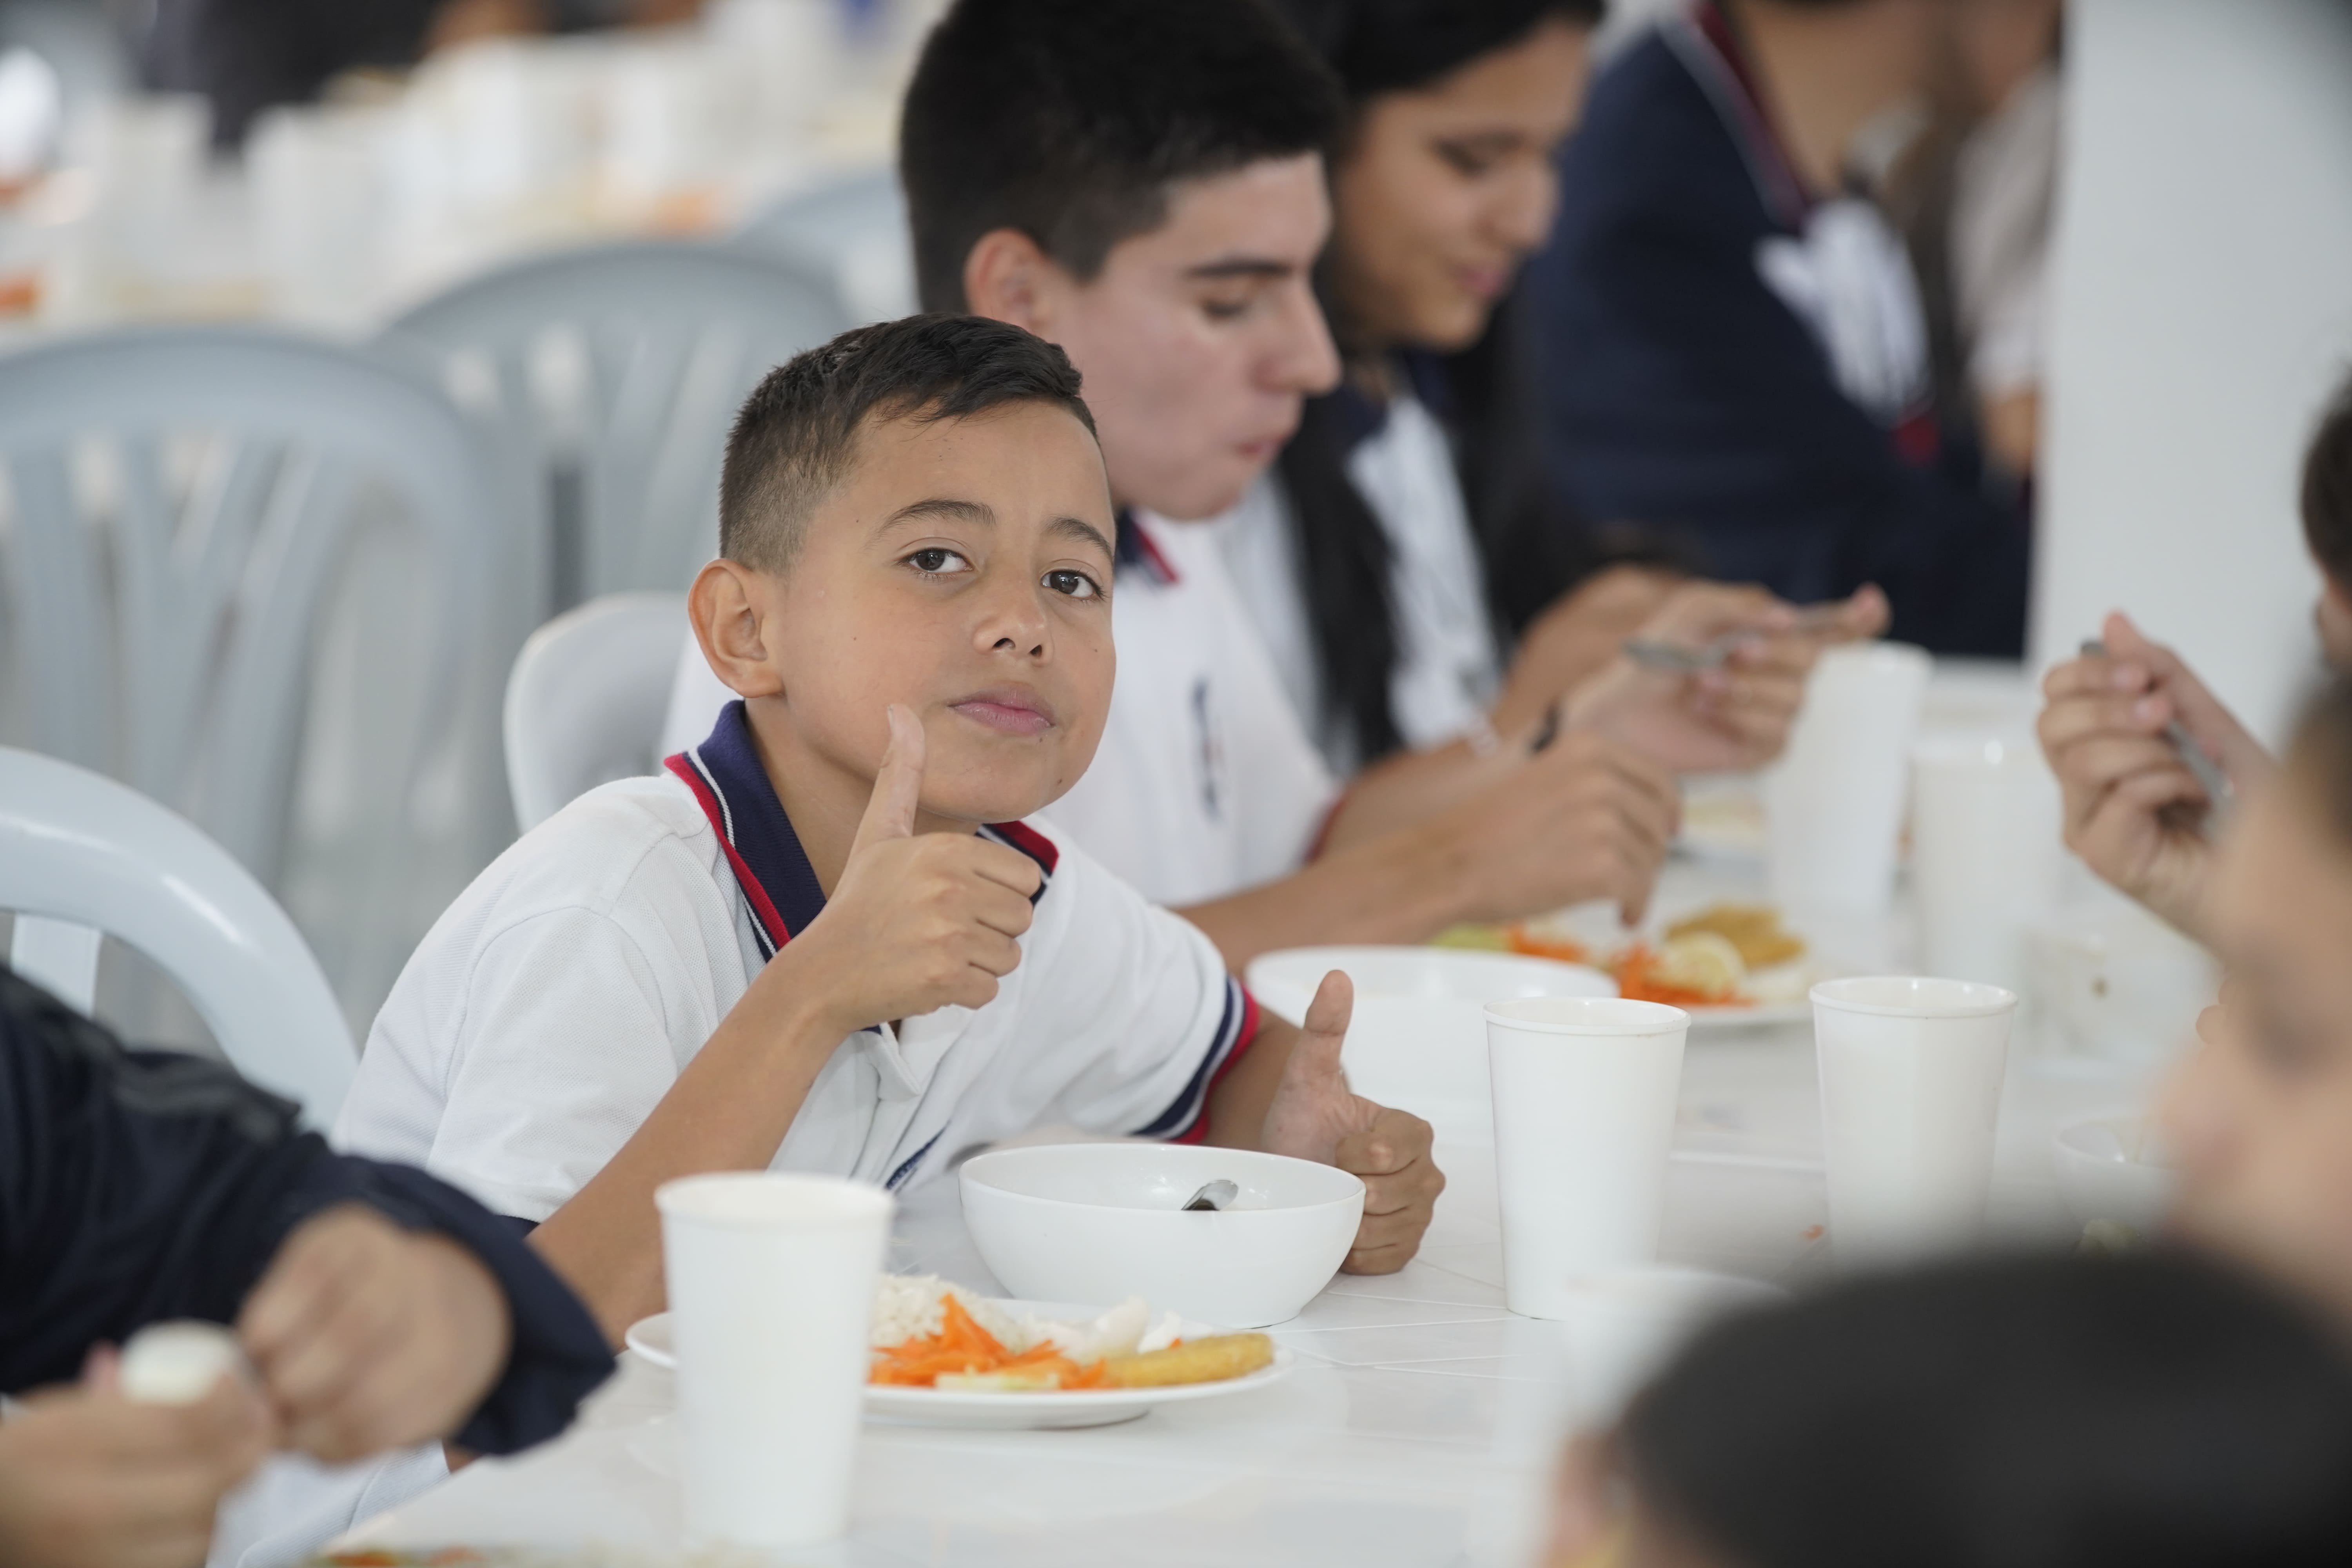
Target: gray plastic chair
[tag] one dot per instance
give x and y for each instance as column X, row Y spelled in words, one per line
column 853, row 232
column 585, row 703
column 179, row 501
column 614, row 373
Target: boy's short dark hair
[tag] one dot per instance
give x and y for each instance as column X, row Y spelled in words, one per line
column 2328, row 490
column 797, row 433
column 1068, row 120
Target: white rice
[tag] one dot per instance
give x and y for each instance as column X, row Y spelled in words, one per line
column 912, row 1306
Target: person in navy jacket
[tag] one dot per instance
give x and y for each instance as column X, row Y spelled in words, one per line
column 1730, row 345
column 377, row 1307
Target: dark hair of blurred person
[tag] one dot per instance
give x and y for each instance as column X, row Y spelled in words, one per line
column 1731, row 343
column 2328, row 521
column 2153, row 1411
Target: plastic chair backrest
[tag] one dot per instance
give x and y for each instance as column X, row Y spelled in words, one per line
column 80, row 848
column 853, row 232
column 616, row 372
column 179, row 500
column 585, row 703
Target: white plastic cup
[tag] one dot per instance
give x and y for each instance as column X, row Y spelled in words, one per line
column 1911, row 1074
column 1584, row 1115
column 772, row 1281
column 1833, row 804
column 1985, row 827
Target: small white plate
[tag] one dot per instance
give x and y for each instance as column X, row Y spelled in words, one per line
column 1003, row 1409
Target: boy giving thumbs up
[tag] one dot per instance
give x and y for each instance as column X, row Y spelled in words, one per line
column 824, row 939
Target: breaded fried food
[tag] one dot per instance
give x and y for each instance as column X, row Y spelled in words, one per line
column 1212, row 1360
column 1754, row 929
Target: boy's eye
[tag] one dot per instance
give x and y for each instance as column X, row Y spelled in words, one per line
column 1077, row 584
column 936, row 561
column 1226, row 309
column 1469, row 162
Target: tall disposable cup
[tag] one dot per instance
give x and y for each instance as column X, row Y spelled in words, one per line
column 1984, row 853
column 1584, row 1094
column 772, row 1281
column 1833, row 804
column 1911, row 1073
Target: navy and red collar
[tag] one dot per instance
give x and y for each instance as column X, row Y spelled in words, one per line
column 1138, row 552
column 1710, row 48
column 781, row 887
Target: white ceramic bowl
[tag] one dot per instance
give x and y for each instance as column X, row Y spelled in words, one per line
column 2109, row 1168
column 1101, row 1221
column 1418, row 1038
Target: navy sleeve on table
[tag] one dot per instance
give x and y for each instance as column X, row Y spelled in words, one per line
column 141, row 1185
column 1680, row 394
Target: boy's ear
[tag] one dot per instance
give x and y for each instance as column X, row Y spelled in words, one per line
column 729, row 608
column 1008, row 278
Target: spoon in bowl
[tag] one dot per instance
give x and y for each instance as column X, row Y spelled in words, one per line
column 1211, row 1196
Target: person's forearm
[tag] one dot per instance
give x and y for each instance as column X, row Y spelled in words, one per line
column 1237, row 1105
column 1408, row 789
column 727, row 1111
column 1404, row 887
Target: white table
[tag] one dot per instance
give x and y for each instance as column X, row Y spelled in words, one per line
column 1418, row 1427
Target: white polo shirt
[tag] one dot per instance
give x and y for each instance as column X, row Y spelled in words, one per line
column 1206, row 781
column 552, row 1005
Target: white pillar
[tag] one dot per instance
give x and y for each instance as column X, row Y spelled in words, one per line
column 2202, row 308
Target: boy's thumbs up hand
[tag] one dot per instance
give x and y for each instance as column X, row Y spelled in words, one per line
column 1315, row 1115
column 918, row 921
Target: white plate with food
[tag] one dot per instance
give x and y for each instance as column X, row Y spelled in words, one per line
column 1729, row 965
column 1023, row 1353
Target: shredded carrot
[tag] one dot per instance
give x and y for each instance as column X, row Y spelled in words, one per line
column 962, row 1346
column 1637, row 982
column 1544, row 944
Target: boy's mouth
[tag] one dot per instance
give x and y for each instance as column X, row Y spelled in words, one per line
column 1009, row 710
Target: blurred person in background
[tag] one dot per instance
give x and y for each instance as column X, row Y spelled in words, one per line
column 2155, row 1412
column 2134, row 811
column 376, row 1306
column 1973, row 194
column 1732, row 346
column 246, row 56
column 1410, row 536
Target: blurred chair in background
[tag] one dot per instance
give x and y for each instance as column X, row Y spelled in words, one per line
column 853, row 232
column 584, row 704
column 81, row 855
column 614, row 372
column 205, row 528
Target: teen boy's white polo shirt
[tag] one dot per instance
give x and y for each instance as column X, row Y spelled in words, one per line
column 1206, row 782
column 552, row 1005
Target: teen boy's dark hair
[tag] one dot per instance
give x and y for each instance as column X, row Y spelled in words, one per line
column 1068, row 120
column 2328, row 490
column 797, row 433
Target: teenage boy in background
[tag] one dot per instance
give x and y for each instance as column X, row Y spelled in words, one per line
column 377, row 1307
column 823, row 940
column 1142, row 183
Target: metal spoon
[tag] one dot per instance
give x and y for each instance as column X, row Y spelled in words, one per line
column 1679, row 658
column 1212, row 1196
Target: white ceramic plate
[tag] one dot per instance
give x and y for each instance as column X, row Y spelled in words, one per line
column 1042, row 1408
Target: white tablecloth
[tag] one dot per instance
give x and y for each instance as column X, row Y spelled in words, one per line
column 1418, row 1427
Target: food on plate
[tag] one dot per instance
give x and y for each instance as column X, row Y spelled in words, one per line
column 931, row 1334
column 1701, row 970
column 1212, row 1360
column 1546, row 941
column 1754, row 929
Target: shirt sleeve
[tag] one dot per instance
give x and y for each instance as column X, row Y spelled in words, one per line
column 138, row 1186
column 1145, row 1018
column 565, row 1047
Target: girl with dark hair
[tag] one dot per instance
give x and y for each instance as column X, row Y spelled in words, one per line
column 1412, row 539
